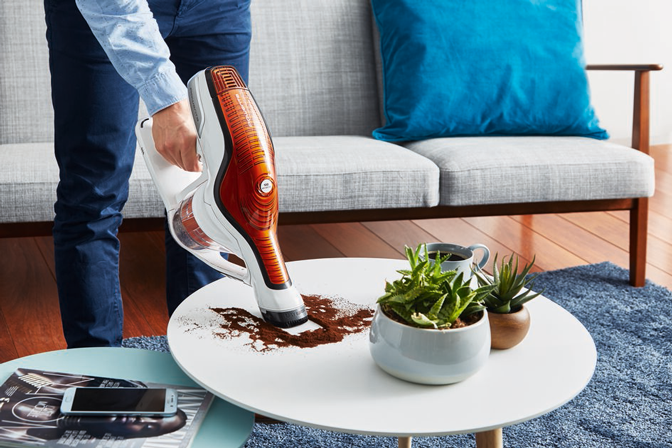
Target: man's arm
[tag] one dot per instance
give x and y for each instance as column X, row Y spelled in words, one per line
column 130, row 36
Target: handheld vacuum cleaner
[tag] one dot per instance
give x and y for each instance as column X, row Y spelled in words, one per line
column 232, row 205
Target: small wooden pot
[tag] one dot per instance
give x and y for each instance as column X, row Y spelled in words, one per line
column 508, row 330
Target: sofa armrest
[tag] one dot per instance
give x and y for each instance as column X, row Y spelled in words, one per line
column 640, row 115
column 625, row 67
column 640, row 140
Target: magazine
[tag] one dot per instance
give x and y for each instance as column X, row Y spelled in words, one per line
column 30, row 415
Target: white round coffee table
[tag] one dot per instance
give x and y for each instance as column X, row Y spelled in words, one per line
column 338, row 387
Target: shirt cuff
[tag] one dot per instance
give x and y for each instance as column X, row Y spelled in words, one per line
column 162, row 90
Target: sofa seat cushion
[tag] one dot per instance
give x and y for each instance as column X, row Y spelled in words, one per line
column 29, row 178
column 28, row 182
column 351, row 172
column 501, row 170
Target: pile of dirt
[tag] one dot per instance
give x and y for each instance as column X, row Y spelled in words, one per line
column 337, row 317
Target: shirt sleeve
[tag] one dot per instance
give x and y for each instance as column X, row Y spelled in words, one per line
column 130, row 36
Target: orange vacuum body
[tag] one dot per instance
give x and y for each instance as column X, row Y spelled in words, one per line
column 232, row 206
column 247, row 190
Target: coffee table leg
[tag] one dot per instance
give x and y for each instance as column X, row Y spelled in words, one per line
column 405, row 442
column 489, row 439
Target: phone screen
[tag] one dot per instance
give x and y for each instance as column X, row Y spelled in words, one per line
column 116, row 400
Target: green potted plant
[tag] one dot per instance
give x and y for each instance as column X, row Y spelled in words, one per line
column 430, row 326
column 512, row 288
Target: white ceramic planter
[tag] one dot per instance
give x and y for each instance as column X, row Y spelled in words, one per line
column 429, row 356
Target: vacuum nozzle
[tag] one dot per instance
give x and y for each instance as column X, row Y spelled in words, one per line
column 285, row 319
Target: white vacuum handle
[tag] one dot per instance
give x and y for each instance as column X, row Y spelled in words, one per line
column 174, row 184
column 215, row 261
column 171, row 181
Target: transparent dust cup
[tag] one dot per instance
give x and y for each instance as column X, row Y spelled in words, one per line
column 189, row 233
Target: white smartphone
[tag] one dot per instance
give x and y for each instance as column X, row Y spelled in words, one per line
column 158, row 402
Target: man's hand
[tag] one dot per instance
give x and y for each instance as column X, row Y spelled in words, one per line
column 175, row 136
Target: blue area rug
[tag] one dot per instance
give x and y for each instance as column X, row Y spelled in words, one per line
column 628, row 403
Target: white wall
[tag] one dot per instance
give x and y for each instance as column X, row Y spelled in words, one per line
column 629, row 31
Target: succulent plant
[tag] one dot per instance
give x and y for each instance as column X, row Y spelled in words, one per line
column 427, row 297
column 506, row 297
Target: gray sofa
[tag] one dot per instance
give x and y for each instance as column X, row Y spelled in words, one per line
column 315, row 73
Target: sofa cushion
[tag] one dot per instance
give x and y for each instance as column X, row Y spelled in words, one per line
column 351, row 172
column 483, row 67
column 25, row 94
column 28, row 182
column 312, row 69
column 500, row 170
column 339, row 172
column 29, row 178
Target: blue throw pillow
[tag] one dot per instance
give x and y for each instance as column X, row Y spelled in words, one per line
column 483, row 67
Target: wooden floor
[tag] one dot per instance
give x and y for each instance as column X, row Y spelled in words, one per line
column 29, row 315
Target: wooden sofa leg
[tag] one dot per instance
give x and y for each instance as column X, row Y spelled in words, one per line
column 639, row 217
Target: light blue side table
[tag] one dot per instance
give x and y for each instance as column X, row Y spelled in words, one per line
column 225, row 426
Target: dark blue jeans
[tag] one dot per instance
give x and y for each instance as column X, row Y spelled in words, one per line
column 95, row 113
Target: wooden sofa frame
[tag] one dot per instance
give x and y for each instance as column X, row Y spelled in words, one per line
column 638, row 207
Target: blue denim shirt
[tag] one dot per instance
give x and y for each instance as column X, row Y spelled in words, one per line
column 130, row 36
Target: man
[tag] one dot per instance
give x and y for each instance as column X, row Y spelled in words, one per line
column 104, row 54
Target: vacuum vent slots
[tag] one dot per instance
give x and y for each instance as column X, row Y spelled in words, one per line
column 226, row 78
